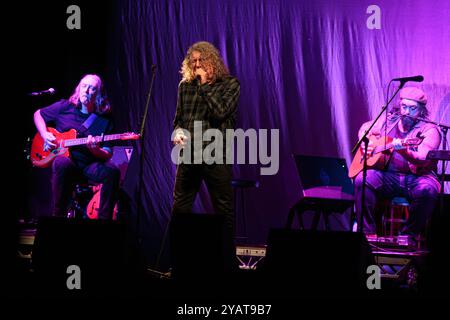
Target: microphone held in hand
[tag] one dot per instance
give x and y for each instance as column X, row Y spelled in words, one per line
column 406, row 79
column 40, row 93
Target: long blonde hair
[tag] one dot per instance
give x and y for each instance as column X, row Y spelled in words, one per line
column 211, row 57
column 102, row 105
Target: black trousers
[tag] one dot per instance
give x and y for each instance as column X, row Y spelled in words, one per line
column 218, row 181
column 65, row 174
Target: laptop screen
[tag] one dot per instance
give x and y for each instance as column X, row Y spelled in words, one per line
column 317, row 171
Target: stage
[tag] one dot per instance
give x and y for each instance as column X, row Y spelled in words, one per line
column 290, row 86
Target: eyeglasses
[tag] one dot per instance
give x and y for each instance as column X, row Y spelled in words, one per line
column 193, row 61
column 411, row 108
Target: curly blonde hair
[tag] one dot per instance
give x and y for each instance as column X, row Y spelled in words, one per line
column 102, row 105
column 210, row 57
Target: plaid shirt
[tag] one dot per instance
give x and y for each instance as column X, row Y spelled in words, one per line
column 214, row 104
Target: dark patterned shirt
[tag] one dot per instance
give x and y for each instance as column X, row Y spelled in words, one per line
column 207, row 106
column 214, row 104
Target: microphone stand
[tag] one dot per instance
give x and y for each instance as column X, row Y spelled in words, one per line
column 364, row 171
column 142, row 159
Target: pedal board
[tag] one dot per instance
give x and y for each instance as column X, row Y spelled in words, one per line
column 250, row 256
column 399, row 242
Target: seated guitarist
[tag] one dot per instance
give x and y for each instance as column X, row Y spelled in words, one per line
column 405, row 172
column 88, row 161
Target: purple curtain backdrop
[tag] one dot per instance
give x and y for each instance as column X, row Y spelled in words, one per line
column 311, row 69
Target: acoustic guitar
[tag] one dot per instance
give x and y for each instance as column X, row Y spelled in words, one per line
column 43, row 158
column 382, row 148
column 94, row 204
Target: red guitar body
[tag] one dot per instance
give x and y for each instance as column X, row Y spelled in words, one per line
column 43, row 159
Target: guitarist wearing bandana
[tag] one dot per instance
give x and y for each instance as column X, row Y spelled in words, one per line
column 88, row 112
column 403, row 170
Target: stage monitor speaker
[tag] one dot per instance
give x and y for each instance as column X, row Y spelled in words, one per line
column 201, row 247
column 100, row 249
column 435, row 281
column 121, row 157
column 304, row 262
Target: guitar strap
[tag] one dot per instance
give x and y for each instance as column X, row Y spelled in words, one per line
column 87, row 124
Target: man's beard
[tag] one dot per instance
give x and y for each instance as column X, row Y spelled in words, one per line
column 408, row 121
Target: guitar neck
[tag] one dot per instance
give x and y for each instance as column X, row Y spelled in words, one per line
column 405, row 142
column 383, row 148
column 81, row 141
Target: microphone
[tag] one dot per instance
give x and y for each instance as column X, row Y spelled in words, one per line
column 406, row 79
column 40, row 93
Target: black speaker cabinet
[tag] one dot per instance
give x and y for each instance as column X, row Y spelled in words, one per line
column 316, row 262
column 201, row 247
column 99, row 249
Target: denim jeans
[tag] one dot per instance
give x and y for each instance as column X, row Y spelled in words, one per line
column 421, row 191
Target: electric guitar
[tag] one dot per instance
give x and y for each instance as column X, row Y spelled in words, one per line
column 381, row 150
column 43, row 158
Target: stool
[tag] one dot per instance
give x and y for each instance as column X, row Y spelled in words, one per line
column 395, row 217
column 241, row 185
column 81, row 195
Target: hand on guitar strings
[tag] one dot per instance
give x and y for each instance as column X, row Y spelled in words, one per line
column 397, row 144
column 92, row 143
column 49, row 138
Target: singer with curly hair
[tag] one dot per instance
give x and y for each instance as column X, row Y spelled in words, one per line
column 207, row 97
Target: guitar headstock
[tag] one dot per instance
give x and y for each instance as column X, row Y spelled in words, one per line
column 129, row 136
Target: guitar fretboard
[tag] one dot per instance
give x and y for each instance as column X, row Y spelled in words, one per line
column 80, row 141
column 405, row 142
column 382, row 148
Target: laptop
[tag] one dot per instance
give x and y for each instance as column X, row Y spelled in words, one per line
column 324, row 177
